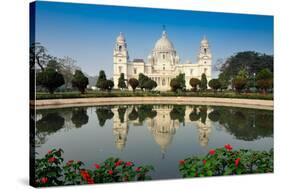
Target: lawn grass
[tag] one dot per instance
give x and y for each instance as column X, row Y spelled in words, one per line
column 117, row 93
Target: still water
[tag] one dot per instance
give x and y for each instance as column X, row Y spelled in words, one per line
column 158, row 135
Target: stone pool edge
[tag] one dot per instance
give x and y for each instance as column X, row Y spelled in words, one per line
column 234, row 102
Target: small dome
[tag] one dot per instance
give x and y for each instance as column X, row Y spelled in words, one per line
column 120, row 38
column 204, row 40
column 164, row 44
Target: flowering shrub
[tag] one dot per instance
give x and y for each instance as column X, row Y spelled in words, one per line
column 50, row 171
column 225, row 161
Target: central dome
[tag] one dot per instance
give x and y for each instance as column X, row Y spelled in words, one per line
column 164, row 44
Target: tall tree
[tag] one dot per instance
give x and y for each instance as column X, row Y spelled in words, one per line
column 101, row 80
column 68, row 67
column 215, row 84
column 203, row 82
column 178, row 83
column 50, row 79
column 80, row 81
column 223, row 81
column 240, row 81
column 109, row 84
column 142, row 79
column 121, row 82
column 181, row 80
column 38, row 55
column 252, row 61
column 264, row 79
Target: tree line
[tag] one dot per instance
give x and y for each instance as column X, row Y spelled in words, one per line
column 242, row 71
column 53, row 72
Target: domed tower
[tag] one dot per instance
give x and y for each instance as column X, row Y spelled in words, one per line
column 163, row 57
column 205, row 58
column 120, row 58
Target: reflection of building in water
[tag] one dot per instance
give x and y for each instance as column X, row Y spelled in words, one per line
column 204, row 131
column 120, row 128
column 162, row 127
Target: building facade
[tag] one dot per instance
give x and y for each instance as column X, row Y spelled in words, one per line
column 163, row 63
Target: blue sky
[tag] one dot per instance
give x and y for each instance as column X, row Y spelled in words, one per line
column 87, row 32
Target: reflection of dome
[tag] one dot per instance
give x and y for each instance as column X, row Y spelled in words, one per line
column 120, row 144
column 164, row 44
column 120, row 132
column 204, row 133
column 163, row 140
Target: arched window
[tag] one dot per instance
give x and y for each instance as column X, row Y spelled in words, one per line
column 205, row 50
column 163, row 56
column 135, row 70
column 163, row 82
column 120, row 48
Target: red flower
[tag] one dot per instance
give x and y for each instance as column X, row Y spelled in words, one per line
column 49, row 151
column 228, row 147
column 85, row 175
column 44, row 180
column 90, row 181
column 110, row 172
column 237, row 162
column 212, row 152
column 97, row 165
column 118, row 163
column 204, row 161
column 52, row 159
column 69, row 162
column 138, row 169
column 129, row 163
column 181, row 162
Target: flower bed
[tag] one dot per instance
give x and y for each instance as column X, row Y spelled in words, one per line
column 225, row 161
column 50, row 171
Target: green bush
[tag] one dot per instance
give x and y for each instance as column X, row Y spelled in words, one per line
column 225, row 161
column 80, row 81
column 215, row 84
column 194, row 82
column 134, row 83
column 49, row 79
column 50, row 171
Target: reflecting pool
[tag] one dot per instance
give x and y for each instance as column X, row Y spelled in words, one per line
column 158, row 135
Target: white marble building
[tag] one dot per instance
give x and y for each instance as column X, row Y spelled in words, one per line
column 163, row 64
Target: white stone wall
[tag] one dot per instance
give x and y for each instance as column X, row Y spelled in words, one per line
column 163, row 63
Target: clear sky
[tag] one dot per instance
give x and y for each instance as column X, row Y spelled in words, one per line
column 87, row 32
